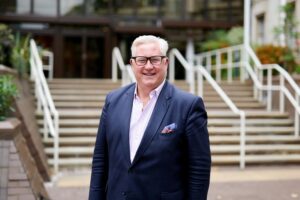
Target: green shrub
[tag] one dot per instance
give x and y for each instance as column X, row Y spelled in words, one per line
column 8, row 91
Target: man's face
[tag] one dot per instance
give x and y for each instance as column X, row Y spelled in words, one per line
column 149, row 75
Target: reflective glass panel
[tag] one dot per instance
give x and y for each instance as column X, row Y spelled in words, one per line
column 15, row 6
column 45, row 7
column 97, row 7
column 172, row 9
column 71, row 7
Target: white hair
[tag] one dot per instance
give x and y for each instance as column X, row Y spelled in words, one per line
column 146, row 39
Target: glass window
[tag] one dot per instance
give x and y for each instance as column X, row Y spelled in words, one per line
column 71, row 7
column 260, row 34
column 98, row 7
column 172, row 9
column 124, row 7
column 45, row 7
column 15, row 6
column 147, row 7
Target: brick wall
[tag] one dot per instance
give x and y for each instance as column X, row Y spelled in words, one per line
column 19, row 175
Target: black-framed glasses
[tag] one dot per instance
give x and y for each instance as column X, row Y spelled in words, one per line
column 142, row 60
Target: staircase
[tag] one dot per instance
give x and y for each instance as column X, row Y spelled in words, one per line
column 269, row 135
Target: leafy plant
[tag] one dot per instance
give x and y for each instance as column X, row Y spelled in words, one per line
column 269, row 54
column 6, row 42
column 291, row 36
column 8, row 91
column 20, row 54
column 221, row 38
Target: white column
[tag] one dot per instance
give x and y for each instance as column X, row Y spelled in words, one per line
column 247, row 7
column 282, row 18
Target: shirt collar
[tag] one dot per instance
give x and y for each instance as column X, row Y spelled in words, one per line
column 154, row 92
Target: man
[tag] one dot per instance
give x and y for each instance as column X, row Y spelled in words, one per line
column 152, row 141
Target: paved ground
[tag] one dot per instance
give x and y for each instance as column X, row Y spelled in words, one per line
column 227, row 183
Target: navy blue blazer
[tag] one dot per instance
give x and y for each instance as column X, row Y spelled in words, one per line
column 173, row 166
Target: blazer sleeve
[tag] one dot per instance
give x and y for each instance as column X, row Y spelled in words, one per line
column 199, row 155
column 100, row 161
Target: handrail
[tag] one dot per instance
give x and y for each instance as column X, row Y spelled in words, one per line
column 45, row 102
column 256, row 74
column 202, row 72
column 188, row 68
column 49, row 65
column 126, row 71
column 284, row 76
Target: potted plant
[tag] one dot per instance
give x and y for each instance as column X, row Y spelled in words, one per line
column 20, row 54
column 8, row 91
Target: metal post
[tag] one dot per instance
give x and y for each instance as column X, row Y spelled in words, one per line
column 172, row 67
column 190, row 58
column 281, row 97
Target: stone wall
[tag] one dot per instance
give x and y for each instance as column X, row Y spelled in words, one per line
column 19, row 174
column 25, row 112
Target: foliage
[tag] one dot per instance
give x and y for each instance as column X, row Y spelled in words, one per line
column 289, row 27
column 291, row 37
column 221, row 38
column 235, row 35
column 269, row 54
column 6, row 42
column 20, row 54
column 8, row 91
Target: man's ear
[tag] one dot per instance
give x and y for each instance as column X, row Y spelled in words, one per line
column 130, row 61
column 167, row 60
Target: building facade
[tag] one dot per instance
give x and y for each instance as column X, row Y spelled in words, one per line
column 266, row 16
column 82, row 33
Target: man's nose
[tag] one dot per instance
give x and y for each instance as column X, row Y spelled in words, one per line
column 148, row 64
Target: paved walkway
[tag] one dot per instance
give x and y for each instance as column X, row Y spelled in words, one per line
column 227, row 183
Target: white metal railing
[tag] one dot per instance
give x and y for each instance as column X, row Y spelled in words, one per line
column 284, row 91
column 241, row 62
column 127, row 75
column 45, row 102
column 190, row 79
column 48, row 55
column 200, row 73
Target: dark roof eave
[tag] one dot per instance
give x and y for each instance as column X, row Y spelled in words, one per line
column 55, row 20
column 138, row 30
column 193, row 24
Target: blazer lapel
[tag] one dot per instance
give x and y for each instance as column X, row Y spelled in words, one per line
column 157, row 116
column 127, row 103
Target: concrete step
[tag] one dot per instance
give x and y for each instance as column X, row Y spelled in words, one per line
column 255, row 148
column 216, row 160
column 251, row 139
column 72, row 162
column 251, row 130
column 250, row 122
column 87, row 151
column 91, row 103
column 76, row 98
column 73, row 131
column 256, row 159
column 249, row 114
column 80, row 141
column 76, row 113
column 82, row 122
column 215, row 149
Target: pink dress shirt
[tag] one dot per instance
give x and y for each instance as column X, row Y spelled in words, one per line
column 140, row 118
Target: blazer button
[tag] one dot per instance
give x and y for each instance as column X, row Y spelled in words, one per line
column 124, row 193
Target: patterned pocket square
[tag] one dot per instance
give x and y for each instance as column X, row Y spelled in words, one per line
column 169, row 128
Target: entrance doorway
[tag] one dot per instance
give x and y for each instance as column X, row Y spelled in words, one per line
column 82, row 54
